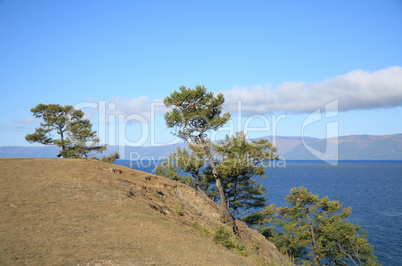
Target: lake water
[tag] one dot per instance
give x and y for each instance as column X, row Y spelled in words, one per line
column 372, row 188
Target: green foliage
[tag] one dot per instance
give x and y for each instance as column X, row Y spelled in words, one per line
column 313, row 229
column 194, row 112
column 83, row 141
column 224, row 237
column 264, row 220
column 111, row 158
column 183, row 161
column 239, row 163
column 169, row 168
column 55, row 117
column 77, row 140
column 256, row 246
column 241, row 249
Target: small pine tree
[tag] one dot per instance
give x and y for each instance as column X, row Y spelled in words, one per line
column 76, row 138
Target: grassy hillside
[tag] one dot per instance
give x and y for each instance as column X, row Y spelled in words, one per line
column 62, row 211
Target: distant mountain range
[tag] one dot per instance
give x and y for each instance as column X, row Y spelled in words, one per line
column 356, row 147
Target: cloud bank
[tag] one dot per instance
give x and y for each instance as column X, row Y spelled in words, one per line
column 355, row 90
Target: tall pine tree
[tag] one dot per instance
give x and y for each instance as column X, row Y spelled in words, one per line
column 194, row 113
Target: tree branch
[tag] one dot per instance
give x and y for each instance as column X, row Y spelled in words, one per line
column 341, row 250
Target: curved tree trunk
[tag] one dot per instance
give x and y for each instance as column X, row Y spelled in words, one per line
column 229, row 220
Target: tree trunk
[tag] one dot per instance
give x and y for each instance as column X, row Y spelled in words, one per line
column 311, row 228
column 197, row 181
column 225, row 210
column 312, row 234
column 63, row 144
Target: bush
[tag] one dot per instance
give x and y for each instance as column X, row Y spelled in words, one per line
column 226, row 238
column 111, row 158
column 223, row 237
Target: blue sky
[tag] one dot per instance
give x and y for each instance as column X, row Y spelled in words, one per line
column 276, row 62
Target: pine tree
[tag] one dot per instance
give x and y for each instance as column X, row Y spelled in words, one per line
column 76, row 138
column 196, row 112
column 239, row 163
column 315, row 230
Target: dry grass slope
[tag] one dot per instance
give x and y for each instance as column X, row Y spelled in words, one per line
column 62, row 211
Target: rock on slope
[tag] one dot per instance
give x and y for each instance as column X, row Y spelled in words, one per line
column 62, row 211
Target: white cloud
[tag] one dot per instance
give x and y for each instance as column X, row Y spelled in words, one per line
column 20, row 124
column 141, row 106
column 26, row 120
column 357, row 89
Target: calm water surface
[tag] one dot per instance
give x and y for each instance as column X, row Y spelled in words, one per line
column 372, row 188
